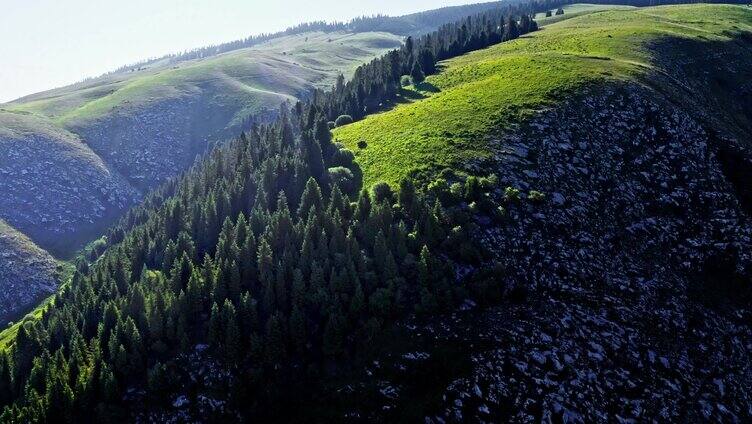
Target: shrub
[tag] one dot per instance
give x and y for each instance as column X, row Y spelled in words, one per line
column 488, row 183
column 549, row 13
column 511, row 194
column 472, row 189
column 381, row 192
column 536, row 196
column 331, row 125
column 440, row 188
column 405, row 80
column 362, row 144
column 457, row 190
column 343, row 178
column 343, row 120
column 343, row 157
column 417, row 74
column 560, row 11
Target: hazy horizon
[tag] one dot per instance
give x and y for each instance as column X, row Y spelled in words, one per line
column 54, row 44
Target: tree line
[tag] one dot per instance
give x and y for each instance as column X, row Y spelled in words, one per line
column 377, row 85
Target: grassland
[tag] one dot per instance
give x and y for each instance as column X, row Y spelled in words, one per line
column 578, row 9
column 483, row 92
column 266, row 74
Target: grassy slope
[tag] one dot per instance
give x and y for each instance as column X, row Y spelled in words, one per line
column 488, row 90
column 9, row 334
column 252, row 78
column 578, row 9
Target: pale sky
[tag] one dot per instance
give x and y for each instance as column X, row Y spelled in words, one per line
column 52, row 43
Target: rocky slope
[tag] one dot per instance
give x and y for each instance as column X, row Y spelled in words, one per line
column 636, row 269
column 62, row 196
column 627, row 288
column 27, row 273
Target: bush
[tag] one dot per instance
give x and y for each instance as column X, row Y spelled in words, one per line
column 457, row 190
column 536, row 196
column 343, row 178
column 511, row 194
column 490, row 182
column 331, row 125
column 381, row 192
column 362, row 144
column 560, row 11
column 405, row 80
column 440, row 188
column 343, row 157
column 417, row 74
column 549, row 13
column 472, row 189
column 343, row 120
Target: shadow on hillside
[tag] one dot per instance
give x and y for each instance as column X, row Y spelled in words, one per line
column 712, row 81
column 427, row 87
column 418, row 92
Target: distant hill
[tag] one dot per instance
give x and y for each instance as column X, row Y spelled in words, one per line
column 74, row 158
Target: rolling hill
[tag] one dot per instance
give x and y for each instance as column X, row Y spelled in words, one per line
column 140, row 125
column 564, row 235
column 102, row 144
column 612, row 148
column 477, row 95
column 74, row 159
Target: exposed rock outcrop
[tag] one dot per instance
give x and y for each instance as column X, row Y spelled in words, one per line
column 55, row 189
column 27, row 273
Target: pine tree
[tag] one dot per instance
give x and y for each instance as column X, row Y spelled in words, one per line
column 417, row 73
column 232, row 344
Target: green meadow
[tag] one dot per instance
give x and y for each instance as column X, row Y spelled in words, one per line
column 450, row 118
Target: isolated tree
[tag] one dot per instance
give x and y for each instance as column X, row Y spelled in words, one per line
column 511, row 30
column 427, row 61
column 549, row 13
column 559, row 11
column 417, row 73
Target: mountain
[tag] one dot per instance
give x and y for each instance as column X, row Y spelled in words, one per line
column 28, row 273
column 615, row 147
column 74, row 159
column 143, row 124
column 132, row 130
column 552, row 226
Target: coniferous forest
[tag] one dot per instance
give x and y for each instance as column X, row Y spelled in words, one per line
column 267, row 255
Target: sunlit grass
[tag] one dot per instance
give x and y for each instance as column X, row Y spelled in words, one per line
column 485, row 91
